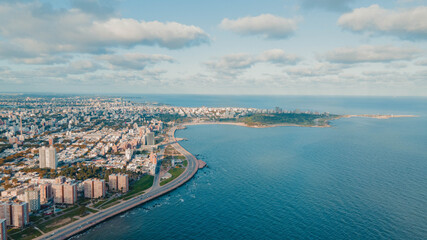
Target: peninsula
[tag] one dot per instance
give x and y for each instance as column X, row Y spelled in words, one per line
column 69, row 163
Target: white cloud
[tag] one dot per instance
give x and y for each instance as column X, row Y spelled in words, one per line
column 316, row 69
column 403, row 23
column 277, row 56
column 135, row 61
column 79, row 67
column 266, row 25
column 233, row 64
column 368, row 53
column 30, row 30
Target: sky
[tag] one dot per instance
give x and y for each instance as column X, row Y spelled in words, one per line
column 239, row 47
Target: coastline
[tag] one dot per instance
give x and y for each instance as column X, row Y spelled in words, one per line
column 252, row 126
column 91, row 220
column 241, row 124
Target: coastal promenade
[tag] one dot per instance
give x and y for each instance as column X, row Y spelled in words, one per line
column 156, row 191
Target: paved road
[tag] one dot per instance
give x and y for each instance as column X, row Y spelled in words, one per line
column 93, row 219
column 156, row 181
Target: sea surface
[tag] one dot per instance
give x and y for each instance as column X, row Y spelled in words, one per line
column 360, row 179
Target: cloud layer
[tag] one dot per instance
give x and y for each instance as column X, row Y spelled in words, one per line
column 403, row 23
column 369, row 53
column 266, row 25
column 233, row 64
column 36, row 30
column 136, row 61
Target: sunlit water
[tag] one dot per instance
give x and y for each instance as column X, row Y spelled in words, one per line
column 360, row 179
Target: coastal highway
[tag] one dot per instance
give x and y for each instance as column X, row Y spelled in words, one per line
column 96, row 218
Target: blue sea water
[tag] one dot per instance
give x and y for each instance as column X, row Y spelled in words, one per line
column 360, row 179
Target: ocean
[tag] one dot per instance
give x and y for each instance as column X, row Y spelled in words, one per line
column 359, row 179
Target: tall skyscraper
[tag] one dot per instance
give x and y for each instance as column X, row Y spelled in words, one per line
column 119, row 182
column 47, row 157
column 94, row 188
column 32, row 197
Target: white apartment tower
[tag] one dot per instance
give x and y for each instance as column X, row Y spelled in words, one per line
column 47, row 157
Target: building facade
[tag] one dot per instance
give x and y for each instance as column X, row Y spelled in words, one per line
column 32, row 197
column 3, row 229
column 16, row 214
column 47, row 157
column 65, row 193
column 45, row 193
column 119, row 182
column 94, row 188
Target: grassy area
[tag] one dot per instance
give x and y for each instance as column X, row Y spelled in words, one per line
column 175, row 173
column 26, row 234
column 64, row 219
column 185, row 163
column 144, row 183
column 68, row 216
column 110, row 203
column 304, row 119
column 99, row 203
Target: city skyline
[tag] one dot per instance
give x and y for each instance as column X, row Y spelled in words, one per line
column 297, row 47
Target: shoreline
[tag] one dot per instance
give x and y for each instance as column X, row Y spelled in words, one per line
column 88, row 222
column 241, row 124
column 85, row 223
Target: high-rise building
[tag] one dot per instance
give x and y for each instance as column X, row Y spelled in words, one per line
column 3, row 229
column 42, row 157
column 45, row 192
column 150, row 138
column 16, row 214
column 20, row 214
column 47, row 157
column 51, row 160
column 94, row 188
column 65, row 193
column 70, row 193
column 32, row 197
column 119, row 182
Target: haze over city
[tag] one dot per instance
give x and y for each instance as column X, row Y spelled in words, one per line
column 295, row 47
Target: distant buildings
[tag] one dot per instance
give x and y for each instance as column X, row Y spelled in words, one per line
column 128, row 154
column 94, row 188
column 16, row 214
column 64, row 193
column 118, row 182
column 47, row 157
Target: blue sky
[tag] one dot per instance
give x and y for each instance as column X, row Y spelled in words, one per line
column 299, row 47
